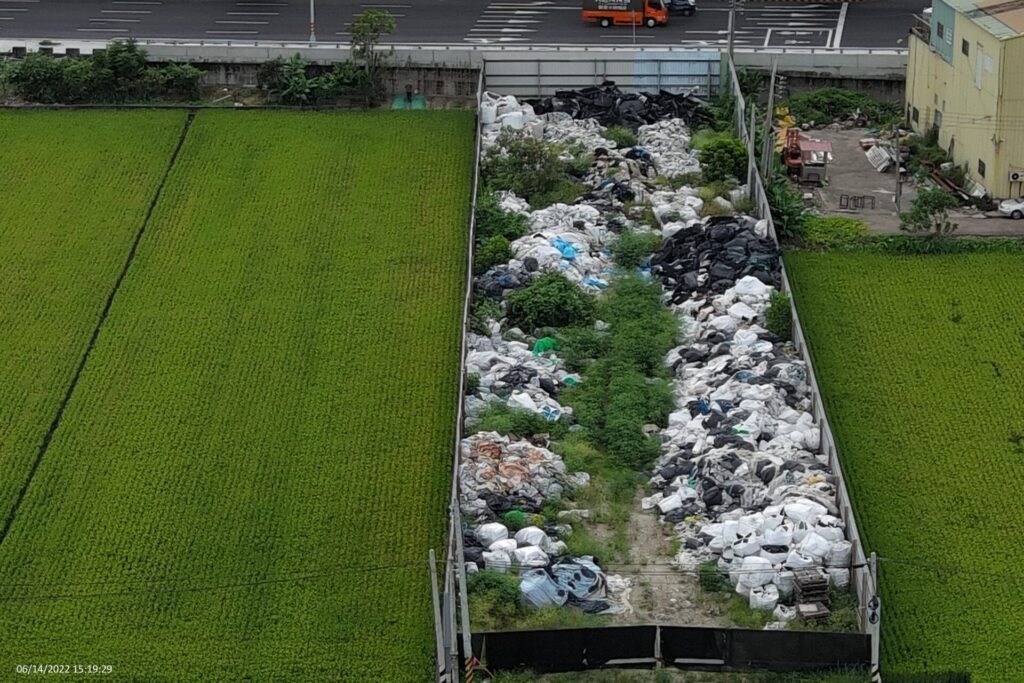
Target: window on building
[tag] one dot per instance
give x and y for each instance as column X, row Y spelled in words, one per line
column 938, row 118
column 939, row 30
column 981, row 168
column 915, row 116
column 980, row 58
column 965, row 47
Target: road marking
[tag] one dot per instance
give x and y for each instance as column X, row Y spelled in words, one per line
column 20, row 2
column 135, row 2
column 517, row 12
column 102, row 30
column 115, row 21
column 840, row 25
column 6, row 18
column 619, row 35
column 235, row 33
column 252, row 14
column 503, row 30
column 232, row 21
column 508, row 21
column 126, row 11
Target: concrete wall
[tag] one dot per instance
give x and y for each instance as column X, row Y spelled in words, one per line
column 1010, row 133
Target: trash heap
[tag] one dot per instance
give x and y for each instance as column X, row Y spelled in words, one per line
column 504, row 481
column 740, row 475
column 663, row 144
column 511, row 480
column 669, row 143
column 613, row 107
column 513, row 374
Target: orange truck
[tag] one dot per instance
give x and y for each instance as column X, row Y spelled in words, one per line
column 625, row 12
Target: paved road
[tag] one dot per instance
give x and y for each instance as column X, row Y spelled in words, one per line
column 865, row 24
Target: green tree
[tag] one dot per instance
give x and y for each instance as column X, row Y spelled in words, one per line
column 724, row 157
column 929, row 214
column 367, row 30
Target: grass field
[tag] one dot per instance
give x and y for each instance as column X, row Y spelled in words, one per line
column 256, row 459
column 74, row 188
column 921, row 360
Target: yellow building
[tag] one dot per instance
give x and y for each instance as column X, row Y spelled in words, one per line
column 965, row 76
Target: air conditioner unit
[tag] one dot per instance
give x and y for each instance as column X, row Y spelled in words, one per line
column 1017, row 176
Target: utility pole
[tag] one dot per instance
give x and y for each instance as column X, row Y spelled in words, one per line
column 633, row 15
column 312, row 23
column 768, row 147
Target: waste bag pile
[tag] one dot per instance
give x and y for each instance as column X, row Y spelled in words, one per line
column 613, row 107
column 507, row 480
column 513, row 374
column 572, row 240
column 740, row 475
column 669, row 143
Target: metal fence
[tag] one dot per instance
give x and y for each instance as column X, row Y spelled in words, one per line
column 863, row 575
column 535, row 74
column 683, row 647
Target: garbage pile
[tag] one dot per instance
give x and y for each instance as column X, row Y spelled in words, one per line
column 510, row 480
column 740, row 476
column 613, row 107
column 712, row 255
column 669, row 143
column 513, row 374
column 497, row 474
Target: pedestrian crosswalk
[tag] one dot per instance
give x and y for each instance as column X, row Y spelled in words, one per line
column 784, row 25
column 515, row 21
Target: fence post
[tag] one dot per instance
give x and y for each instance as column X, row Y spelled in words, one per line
column 875, row 620
column 440, row 673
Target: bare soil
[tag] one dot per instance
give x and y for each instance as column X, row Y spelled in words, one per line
column 660, row 592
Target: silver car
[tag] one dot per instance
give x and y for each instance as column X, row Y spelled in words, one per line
column 1014, row 208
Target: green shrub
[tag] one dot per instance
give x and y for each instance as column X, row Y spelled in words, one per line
column 531, row 168
column 116, row 74
column 711, row 579
column 745, row 206
column 578, row 346
column 787, row 207
column 472, row 383
column 483, row 309
column 622, row 137
column 833, row 231
column 778, row 317
column 722, row 158
column 492, row 220
column 493, row 599
column 498, row 417
column 550, row 301
column 495, row 251
column 633, row 249
column 831, row 104
column 929, row 215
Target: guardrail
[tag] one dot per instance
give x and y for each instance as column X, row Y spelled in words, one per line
column 864, row 578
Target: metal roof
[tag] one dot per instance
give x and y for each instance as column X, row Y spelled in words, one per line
column 1002, row 18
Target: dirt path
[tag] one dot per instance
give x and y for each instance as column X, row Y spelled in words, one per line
column 660, row 593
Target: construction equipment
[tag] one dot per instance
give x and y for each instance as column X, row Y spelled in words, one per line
column 806, row 159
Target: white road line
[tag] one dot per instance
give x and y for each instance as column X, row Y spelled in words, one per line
column 135, row 2
column 840, row 25
column 234, row 33
column 503, row 30
column 115, row 21
column 620, row 35
column 252, row 14
column 508, row 21
column 489, row 13
column 6, row 18
column 232, row 21
column 20, row 2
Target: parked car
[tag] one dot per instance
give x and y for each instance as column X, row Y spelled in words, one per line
column 685, row 7
column 1014, row 208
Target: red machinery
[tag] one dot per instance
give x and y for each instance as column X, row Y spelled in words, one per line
column 806, row 160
